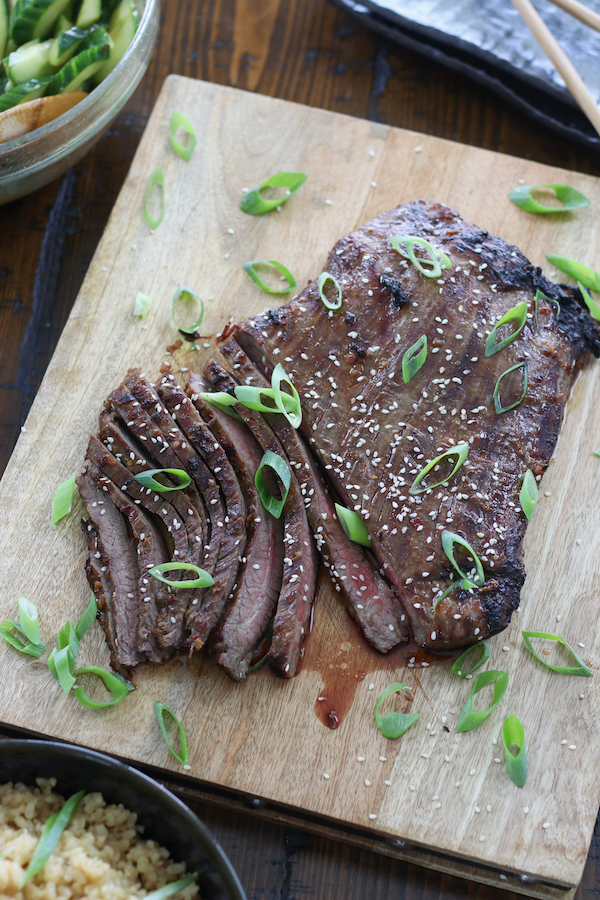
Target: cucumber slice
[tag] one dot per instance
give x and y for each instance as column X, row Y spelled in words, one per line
column 3, row 26
column 96, row 48
column 66, row 45
column 62, row 24
column 35, row 18
column 20, row 93
column 89, row 13
column 5, row 84
column 30, row 61
column 122, row 27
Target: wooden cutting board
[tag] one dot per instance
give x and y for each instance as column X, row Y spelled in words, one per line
column 433, row 788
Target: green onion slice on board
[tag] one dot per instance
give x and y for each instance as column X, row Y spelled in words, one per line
column 287, row 402
column 202, row 580
column 461, row 451
column 141, row 305
column 185, row 297
column 169, row 889
column 591, row 304
column 517, row 315
column 353, row 525
column 27, row 626
column 60, row 663
column 496, row 396
column 480, row 652
column 249, row 267
column 596, row 452
column 63, row 500
column 414, row 358
column 568, row 196
column 51, row 835
column 529, row 494
column 579, row 669
column 157, row 180
column 470, row 718
column 449, row 539
column 255, row 205
column 324, row 277
column 147, row 480
column 272, row 504
column 431, row 264
column 117, row 686
column 393, row 724
column 185, row 150
column 513, row 735
column 161, row 709
column 589, row 278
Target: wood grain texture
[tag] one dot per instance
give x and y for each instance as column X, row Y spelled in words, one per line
column 203, row 240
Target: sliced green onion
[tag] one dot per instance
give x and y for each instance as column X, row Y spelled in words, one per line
column 177, row 121
column 324, row 277
column 528, row 495
column 394, row 724
column 353, row 525
column 580, row 669
column 287, row 275
column 267, row 635
column 142, row 302
column 589, row 278
column 203, row 580
column 596, row 452
column 6, row 633
column 470, row 718
column 169, row 889
column 518, row 315
column 414, row 358
column 497, row 402
column 513, row 735
column 147, row 480
column 443, row 594
column 223, row 402
column 51, row 835
column 568, row 196
column 160, row 709
column 28, row 620
column 293, row 413
column 591, row 304
column 539, row 295
column 255, row 205
column 449, row 539
column 432, row 265
column 186, row 295
column 87, row 620
column 61, row 666
column 63, row 500
column 481, row 652
column 157, row 178
column 272, row 504
column 28, row 627
column 117, row 686
column 461, row 451
column 255, row 398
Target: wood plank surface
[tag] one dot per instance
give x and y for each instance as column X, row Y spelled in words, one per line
column 203, row 240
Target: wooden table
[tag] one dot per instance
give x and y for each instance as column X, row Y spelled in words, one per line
column 301, row 50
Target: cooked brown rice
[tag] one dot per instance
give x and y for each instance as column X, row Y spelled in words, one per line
column 101, row 855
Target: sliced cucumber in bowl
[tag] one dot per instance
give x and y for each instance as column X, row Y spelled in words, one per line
column 34, row 18
column 28, row 90
column 29, row 61
column 94, row 50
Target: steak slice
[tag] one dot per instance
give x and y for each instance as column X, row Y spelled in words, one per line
column 202, row 618
column 370, row 600
column 254, row 597
column 374, row 434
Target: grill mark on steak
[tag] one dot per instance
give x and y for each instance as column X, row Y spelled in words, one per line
column 368, row 597
column 259, row 577
column 233, row 540
column 296, row 597
column 374, row 434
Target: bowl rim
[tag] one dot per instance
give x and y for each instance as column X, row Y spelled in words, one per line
column 161, row 795
column 150, row 6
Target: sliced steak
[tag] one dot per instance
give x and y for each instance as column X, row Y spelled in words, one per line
column 368, row 597
column 203, row 616
column 374, row 434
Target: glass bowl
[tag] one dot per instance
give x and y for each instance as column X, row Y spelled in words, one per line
column 31, row 161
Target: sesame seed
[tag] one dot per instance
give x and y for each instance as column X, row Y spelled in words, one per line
column 525, row 809
column 387, row 782
column 482, row 837
column 371, row 686
column 372, row 816
column 572, row 747
column 383, row 759
column 546, row 825
column 325, row 776
column 187, row 767
column 473, row 771
column 360, row 758
column 367, row 782
column 411, row 787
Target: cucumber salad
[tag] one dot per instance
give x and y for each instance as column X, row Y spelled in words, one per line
column 53, row 46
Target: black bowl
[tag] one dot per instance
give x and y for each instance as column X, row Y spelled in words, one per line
column 165, row 818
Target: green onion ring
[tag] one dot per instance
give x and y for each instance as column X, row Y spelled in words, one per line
column 437, row 258
column 140, row 308
column 63, row 500
column 414, row 358
column 249, row 268
column 516, row 763
column 394, row 724
column 448, row 541
column 273, row 505
column 591, row 304
column 568, row 196
column 460, row 450
column 28, row 627
column 185, row 294
column 6, row 633
column 51, row 835
column 147, row 480
column 529, row 494
column 255, row 398
column 177, row 121
column 458, row 665
column 580, row 669
column 157, row 178
column 255, row 205
column 160, row 709
column 518, row 315
column 324, row 277
column 353, row 525
column 497, row 403
column 169, row 889
column 470, row 718
column 115, row 684
column 61, row 665
column 203, row 580
column 589, row 278
column 293, row 414
column 539, row 295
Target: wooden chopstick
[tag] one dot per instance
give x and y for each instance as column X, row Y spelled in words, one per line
column 561, row 61
column 580, row 12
